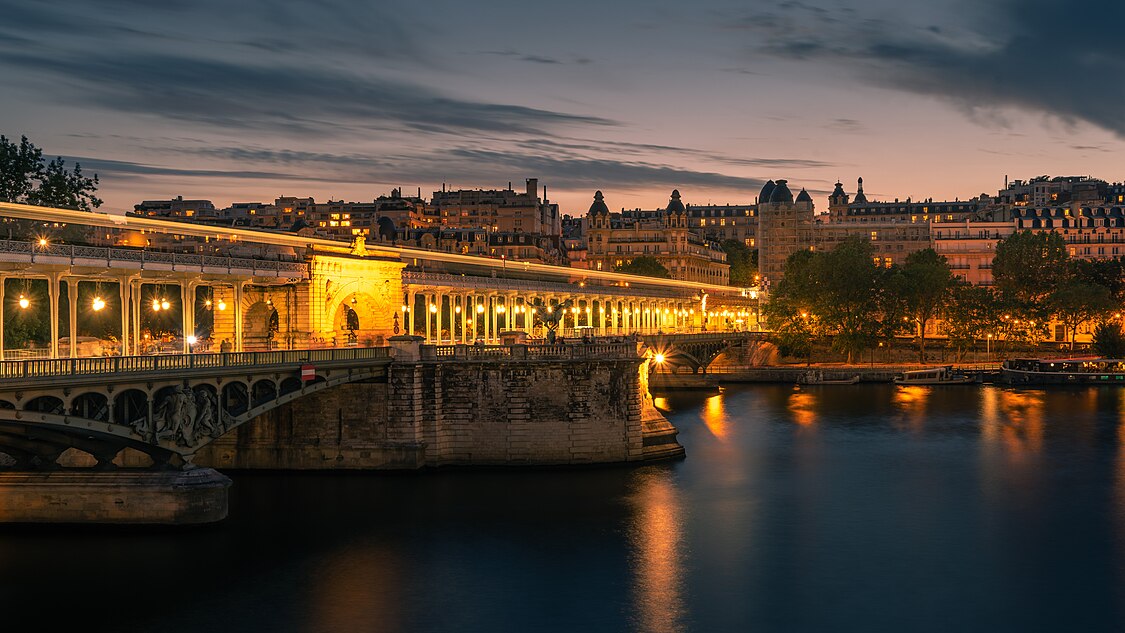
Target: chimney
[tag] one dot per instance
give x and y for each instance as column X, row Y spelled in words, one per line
column 544, row 193
column 532, row 188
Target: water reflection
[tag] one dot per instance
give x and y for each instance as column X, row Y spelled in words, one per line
column 1013, row 419
column 802, row 407
column 655, row 535
column 356, row 585
column 714, row 416
column 913, row 401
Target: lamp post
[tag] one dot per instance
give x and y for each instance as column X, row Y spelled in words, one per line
column 988, row 348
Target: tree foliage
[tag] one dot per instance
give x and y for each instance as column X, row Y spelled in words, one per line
column 645, row 265
column 1109, row 340
column 1078, row 302
column 1027, row 268
column 971, row 314
column 834, row 293
column 927, row 283
column 743, row 263
column 25, row 178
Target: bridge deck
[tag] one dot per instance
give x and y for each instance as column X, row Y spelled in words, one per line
column 16, row 370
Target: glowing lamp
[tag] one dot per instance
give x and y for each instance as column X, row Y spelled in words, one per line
column 659, row 358
column 156, row 305
column 222, row 305
column 99, row 304
column 191, row 340
column 164, row 305
column 24, row 302
column 433, row 308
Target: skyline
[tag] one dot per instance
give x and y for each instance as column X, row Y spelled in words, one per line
column 331, row 100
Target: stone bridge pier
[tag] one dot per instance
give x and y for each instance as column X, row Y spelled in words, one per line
column 137, row 439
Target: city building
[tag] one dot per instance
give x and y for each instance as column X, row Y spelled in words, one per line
column 498, row 210
column 616, row 239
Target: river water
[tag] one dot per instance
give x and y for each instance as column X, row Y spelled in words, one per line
column 858, row 508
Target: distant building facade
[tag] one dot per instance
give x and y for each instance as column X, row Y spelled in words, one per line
column 616, row 239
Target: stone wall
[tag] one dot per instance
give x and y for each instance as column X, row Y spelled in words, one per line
column 467, row 412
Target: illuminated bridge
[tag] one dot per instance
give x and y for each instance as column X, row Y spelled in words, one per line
column 289, row 291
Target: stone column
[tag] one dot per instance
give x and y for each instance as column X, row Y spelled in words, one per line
column 3, row 282
column 187, row 309
column 72, row 304
column 238, row 316
column 135, row 307
column 123, row 299
column 408, row 317
column 53, row 293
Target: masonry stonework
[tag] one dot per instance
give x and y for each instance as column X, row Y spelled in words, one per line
column 487, row 412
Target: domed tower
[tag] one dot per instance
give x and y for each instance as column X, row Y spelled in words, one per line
column 781, row 193
column 598, row 215
column 838, row 204
column 784, row 227
column 859, row 197
column 600, row 230
column 676, row 213
column 766, row 192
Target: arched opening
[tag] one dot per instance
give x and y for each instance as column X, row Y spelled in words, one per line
column 290, row 385
column 235, row 399
column 263, row 391
column 45, row 404
column 130, row 408
column 260, row 327
column 92, row 406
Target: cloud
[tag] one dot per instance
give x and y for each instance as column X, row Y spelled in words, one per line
column 119, row 168
column 286, row 100
column 1028, row 54
column 537, row 59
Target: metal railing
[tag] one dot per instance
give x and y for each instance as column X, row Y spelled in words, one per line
column 576, row 351
column 483, row 285
column 142, row 256
column 107, row 365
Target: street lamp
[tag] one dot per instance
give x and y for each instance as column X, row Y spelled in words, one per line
column 988, row 348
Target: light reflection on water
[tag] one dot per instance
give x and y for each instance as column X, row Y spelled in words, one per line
column 655, row 536
column 843, row 508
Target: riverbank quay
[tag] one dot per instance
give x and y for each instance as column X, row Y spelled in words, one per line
column 792, row 374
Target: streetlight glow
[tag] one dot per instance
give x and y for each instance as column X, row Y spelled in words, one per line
column 98, row 304
column 24, row 302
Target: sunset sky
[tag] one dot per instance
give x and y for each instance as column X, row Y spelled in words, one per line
column 247, row 100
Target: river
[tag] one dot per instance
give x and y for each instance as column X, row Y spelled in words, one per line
column 834, row 508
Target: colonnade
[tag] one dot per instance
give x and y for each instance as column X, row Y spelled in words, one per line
column 129, row 296
column 464, row 316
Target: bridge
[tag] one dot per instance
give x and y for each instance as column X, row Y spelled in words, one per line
column 262, row 290
column 696, row 350
column 271, row 350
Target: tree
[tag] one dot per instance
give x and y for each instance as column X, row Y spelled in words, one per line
column 893, row 309
column 1109, row 340
column 971, row 314
column 20, row 167
column 1078, row 302
column 743, row 263
column 791, row 307
column 645, row 265
column 65, row 189
column 1027, row 268
column 834, row 293
column 927, row 283
column 847, row 301
column 24, row 178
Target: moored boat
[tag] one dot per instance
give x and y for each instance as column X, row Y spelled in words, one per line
column 818, row 378
column 934, row 376
column 1068, row 371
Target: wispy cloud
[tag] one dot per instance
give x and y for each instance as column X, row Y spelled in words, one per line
column 1029, row 54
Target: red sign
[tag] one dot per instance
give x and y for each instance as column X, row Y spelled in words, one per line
column 308, row 372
